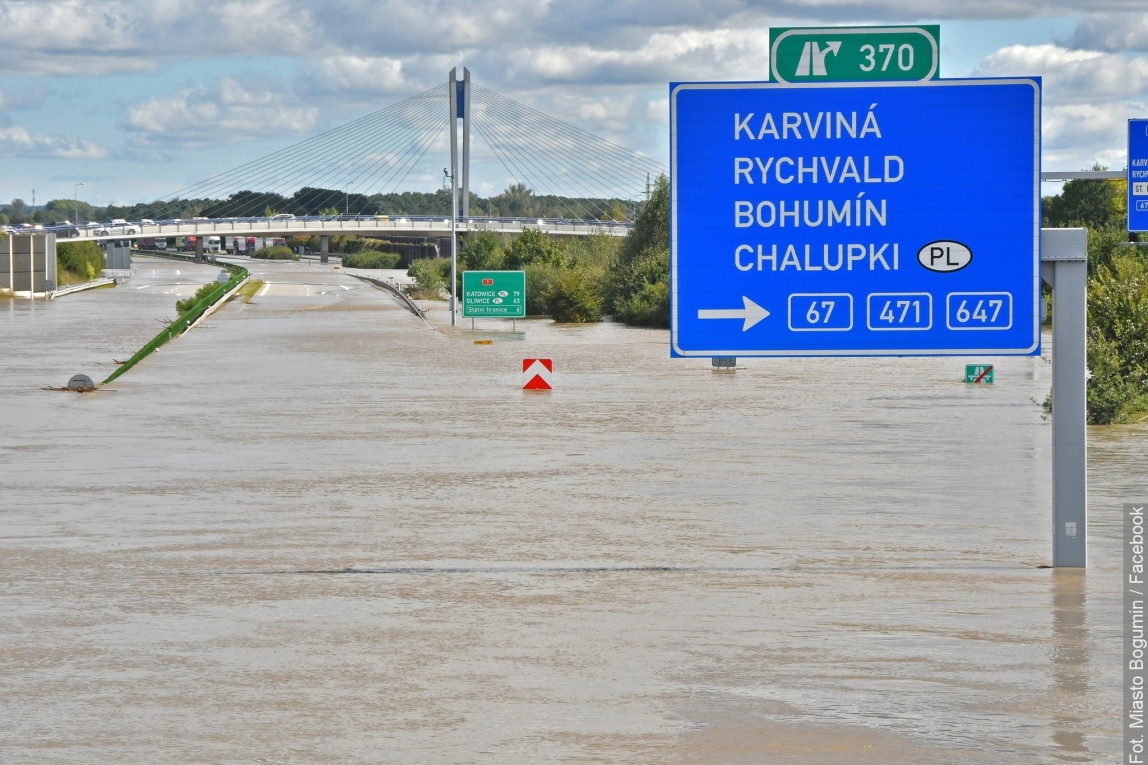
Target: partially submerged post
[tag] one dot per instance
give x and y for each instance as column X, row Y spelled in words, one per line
column 1064, row 268
column 459, row 91
column 81, row 382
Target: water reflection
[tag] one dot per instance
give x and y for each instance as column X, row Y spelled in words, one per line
column 1070, row 659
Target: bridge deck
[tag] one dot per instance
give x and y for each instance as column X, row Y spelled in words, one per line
column 333, row 225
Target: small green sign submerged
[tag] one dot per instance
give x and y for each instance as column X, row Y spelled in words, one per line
column 854, row 54
column 494, row 294
column 978, row 373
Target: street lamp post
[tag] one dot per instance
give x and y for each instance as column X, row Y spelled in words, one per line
column 76, row 201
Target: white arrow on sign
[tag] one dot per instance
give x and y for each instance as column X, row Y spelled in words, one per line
column 751, row 314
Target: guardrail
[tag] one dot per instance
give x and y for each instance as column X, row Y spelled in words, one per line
column 102, row 282
column 186, row 319
column 404, row 297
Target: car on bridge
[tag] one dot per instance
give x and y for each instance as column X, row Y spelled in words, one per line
column 115, row 226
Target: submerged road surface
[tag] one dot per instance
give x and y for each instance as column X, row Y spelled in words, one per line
column 318, row 530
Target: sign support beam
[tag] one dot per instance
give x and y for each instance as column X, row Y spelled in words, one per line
column 1064, row 268
column 454, row 115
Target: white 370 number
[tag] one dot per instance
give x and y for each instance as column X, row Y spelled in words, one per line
column 883, row 54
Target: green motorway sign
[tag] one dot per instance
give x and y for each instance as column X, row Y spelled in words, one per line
column 500, row 294
column 978, row 373
column 854, row 54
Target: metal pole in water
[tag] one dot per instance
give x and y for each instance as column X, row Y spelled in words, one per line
column 1064, row 267
column 453, row 89
column 453, row 244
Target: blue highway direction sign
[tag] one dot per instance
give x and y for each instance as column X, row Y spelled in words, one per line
column 855, row 219
column 1138, row 175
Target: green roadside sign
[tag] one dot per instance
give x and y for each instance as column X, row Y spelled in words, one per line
column 978, row 373
column 494, row 294
column 854, row 54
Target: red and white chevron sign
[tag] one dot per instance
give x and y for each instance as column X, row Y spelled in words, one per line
column 537, row 374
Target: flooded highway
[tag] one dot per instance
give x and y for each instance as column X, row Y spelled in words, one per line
column 318, row 529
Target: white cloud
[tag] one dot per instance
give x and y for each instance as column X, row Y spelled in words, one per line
column 16, row 141
column 30, row 98
column 95, row 37
column 269, row 27
column 663, row 56
column 227, row 112
column 1077, row 136
column 1088, row 98
column 353, row 74
column 1113, row 31
column 68, row 36
column 1075, row 76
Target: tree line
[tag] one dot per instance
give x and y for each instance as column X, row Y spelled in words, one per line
column 516, row 201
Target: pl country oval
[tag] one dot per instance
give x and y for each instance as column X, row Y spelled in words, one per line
column 944, row 256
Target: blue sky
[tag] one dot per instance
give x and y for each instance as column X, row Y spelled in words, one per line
column 137, row 99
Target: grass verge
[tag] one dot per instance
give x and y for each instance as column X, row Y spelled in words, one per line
column 248, row 291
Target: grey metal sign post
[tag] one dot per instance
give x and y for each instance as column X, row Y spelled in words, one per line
column 1064, row 268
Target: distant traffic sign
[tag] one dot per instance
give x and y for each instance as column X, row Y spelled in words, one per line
column 855, row 218
column 854, row 54
column 494, row 294
column 1138, row 175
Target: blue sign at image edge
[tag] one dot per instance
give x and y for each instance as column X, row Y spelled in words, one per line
column 1137, row 173
column 960, row 183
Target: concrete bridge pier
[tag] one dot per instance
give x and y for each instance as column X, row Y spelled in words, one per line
column 199, row 249
column 324, row 249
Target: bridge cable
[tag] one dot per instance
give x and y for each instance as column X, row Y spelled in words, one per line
column 294, row 154
column 275, row 170
column 583, row 150
column 583, row 140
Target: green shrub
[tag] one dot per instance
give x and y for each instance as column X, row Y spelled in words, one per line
column 84, row 259
column 648, row 307
column 278, row 252
column 533, row 247
column 540, row 279
column 636, row 287
column 481, row 251
column 371, row 259
column 571, row 297
column 183, row 305
column 1117, row 334
column 431, row 276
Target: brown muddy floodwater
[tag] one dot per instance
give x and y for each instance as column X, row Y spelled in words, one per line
column 316, row 530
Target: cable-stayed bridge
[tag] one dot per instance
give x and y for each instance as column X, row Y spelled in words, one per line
column 324, row 185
